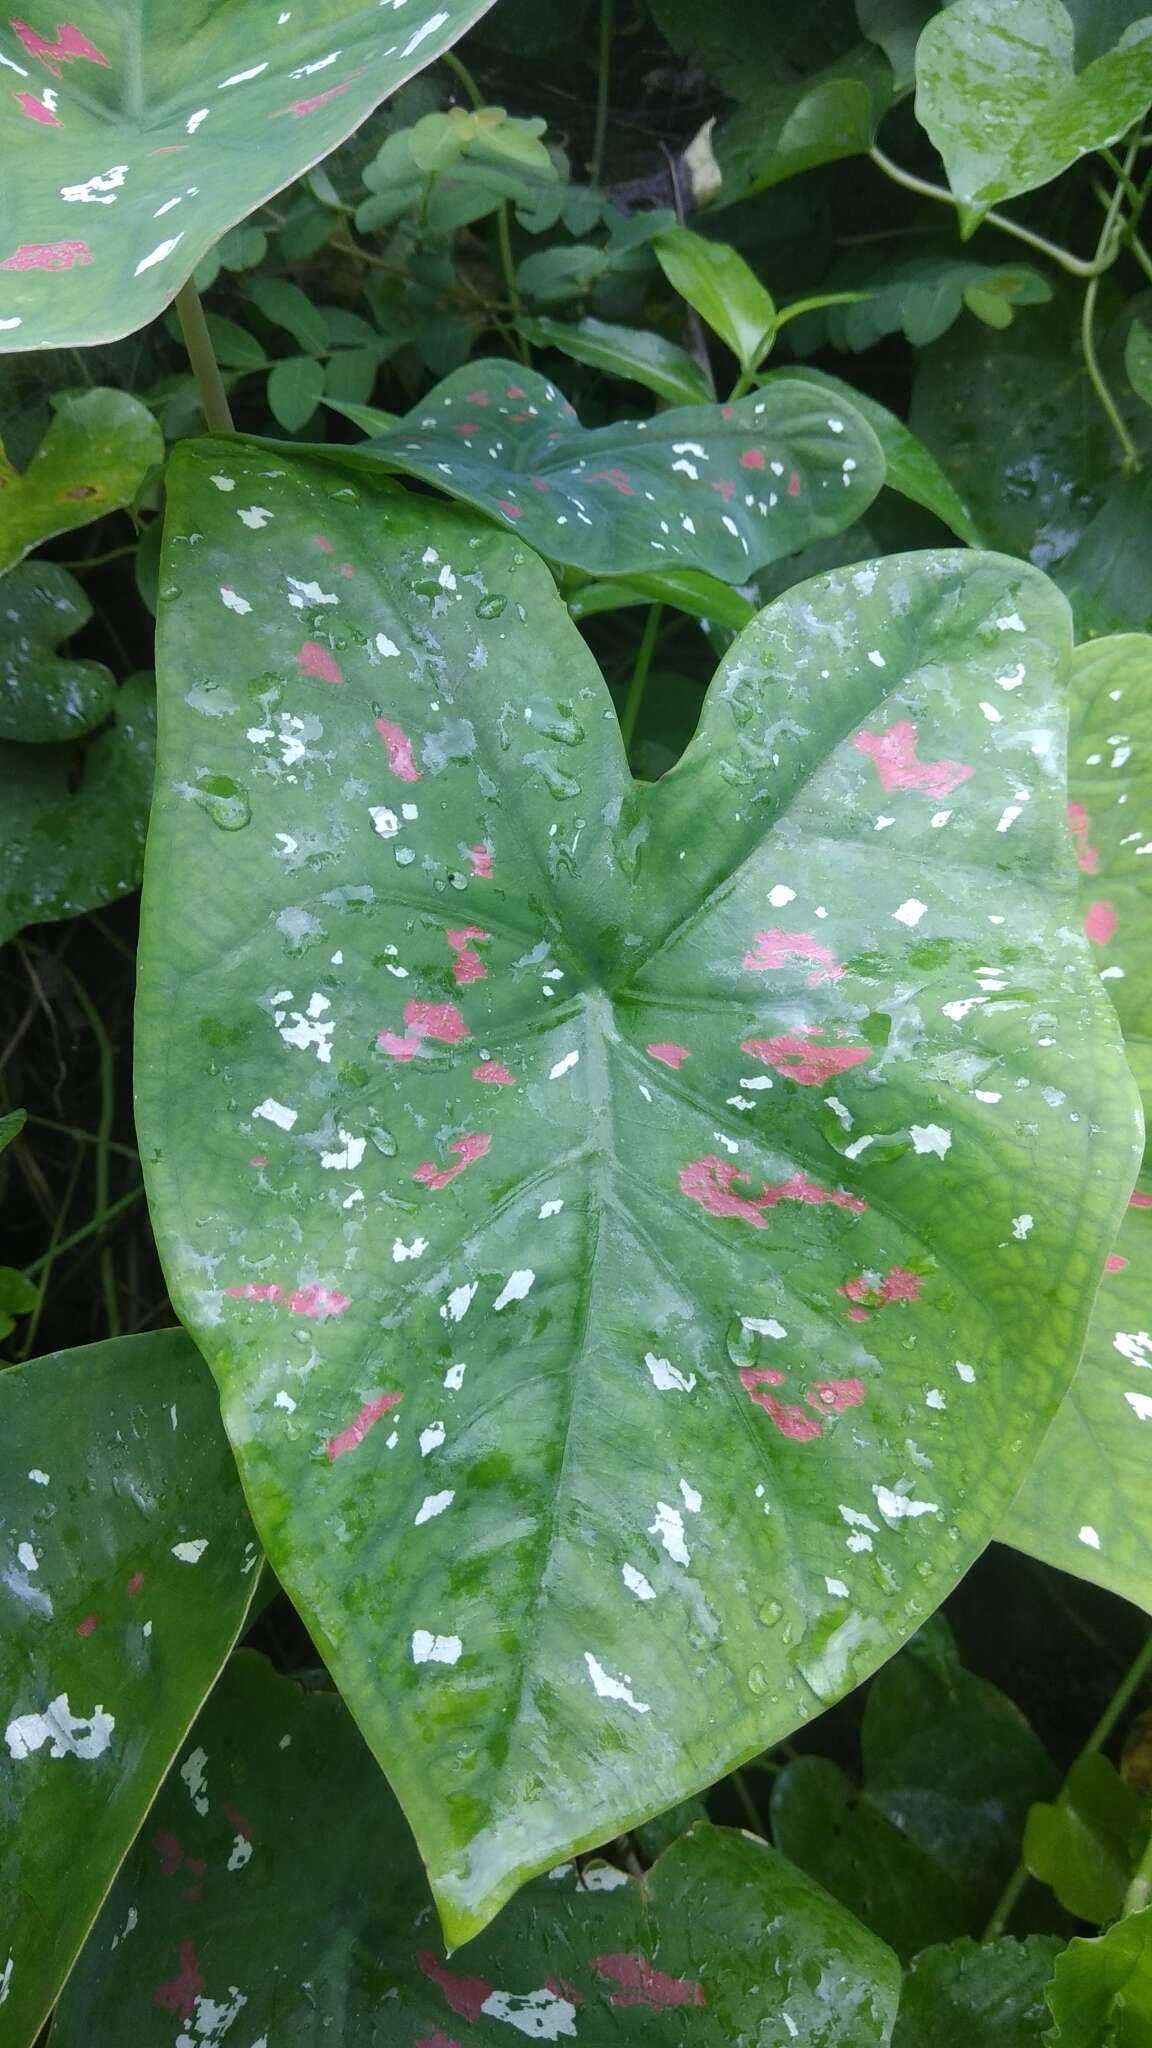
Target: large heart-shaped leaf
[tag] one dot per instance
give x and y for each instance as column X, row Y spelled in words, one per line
column 723, row 1941
column 1087, row 1504
column 640, row 1245
column 127, row 1571
column 99, row 225
column 998, row 91
column 967, row 1994
column 74, row 817
column 44, row 696
column 93, row 459
column 724, row 489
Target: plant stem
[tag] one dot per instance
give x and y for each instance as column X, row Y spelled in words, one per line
column 202, row 356
column 50, row 1255
column 1136, row 1672
column 603, row 83
column 68, row 1244
column 99, row 561
column 1139, row 1892
column 460, row 70
column 1107, row 246
column 644, row 654
column 473, row 93
column 747, row 1802
column 1075, row 265
column 103, row 1143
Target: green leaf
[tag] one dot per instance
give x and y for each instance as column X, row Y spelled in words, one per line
column 895, row 25
column 369, row 418
column 75, row 816
column 998, row 91
column 127, row 1573
column 702, row 597
column 921, row 298
column 721, row 489
column 787, row 130
column 922, row 1850
column 234, row 347
column 93, row 459
column 288, row 307
column 1101, row 1991
column 910, row 469
column 972, row 1995
column 1105, row 575
column 11, row 1124
column 18, row 1297
column 716, row 281
column 44, row 696
column 131, row 144
column 552, row 277
column 633, row 353
column 1086, row 1845
column 350, row 376
column 721, row 1942
column 449, row 1488
column 295, row 388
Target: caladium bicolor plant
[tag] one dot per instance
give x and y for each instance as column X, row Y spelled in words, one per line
column 632, row 1226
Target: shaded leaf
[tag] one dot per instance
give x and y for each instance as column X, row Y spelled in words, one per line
column 133, row 143
column 630, row 352
column 1100, row 1995
column 977, row 1995
column 127, row 1572
column 787, row 130
column 1138, row 360
column 702, row 597
column 895, row 25
column 93, row 459
column 720, row 286
column 1086, row 1845
column 44, row 696
column 11, row 1124
column 295, row 388
column 288, row 307
column 721, row 1941
column 1105, row 575
column 421, row 755
column 922, row 297
column 18, row 1297
column 233, row 346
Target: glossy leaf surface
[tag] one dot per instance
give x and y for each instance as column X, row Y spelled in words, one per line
column 714, row 279
column 127, row 1570
column 43, row 695
column 723, row 489
column 969, row 1994
column 535, row 1128
column 1101, row 1991
column 132, row 140
column 722, row 1942
column 96, row 454
column 74, row 817
column 998, row 91
column 634, row 353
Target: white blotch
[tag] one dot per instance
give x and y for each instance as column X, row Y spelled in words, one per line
column 99, row 190
column 419, row 1245
column 934, row 1398
column 284, row 1400
column 965, row 1372
column 431, row 1438
column 242, row 77
column 1134, row 1345
column 1008, row 817
column 158, row 254
column 516, row 1286
column 195, row 1777
column 667, row 1376
column 69, row 1734
column 459, row 1302
column 385, row 646
column 239, row 1855
column 876, row 658
column 1013, row 679
column 254, row 516
column 1012, row 623
column 669, row 1527
column 234, row 601
column 547, row 1209
column 454, row 1377
column 991, row 714
column 543, row 2015
column 192, row 1551
column 27, row 1557
column 637, row 1583
column 763, row 1326
column 1141, row 1406
column 223, row 483
column 194, row 120
column 987, row 1095
column 610, row 1688
column 930, row 1138
column 434, row 1504
column 430, row 1649
column 837, row 1588
column 603, row 1877
column 563, row 1066
column 274, row 1112
column 899, row 1507
column 351, row 1152
column 38, row 1477
column 692, row 1500
column 910, row 912
column 1089, row 1536
column 1021, row 1225
column 781, row 894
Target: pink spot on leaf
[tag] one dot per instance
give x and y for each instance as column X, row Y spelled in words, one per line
column 135, row 1585
column 179, row 1995
column 752, row 458
column 1099, row 923
column 258, row 1159
column 399, row 1048
column 493, row 1074
column 616, row 477
column 47, row 256
column 88, row 1626
column 238, row 1821
column 1139, row 1200
column 794, row 484
column 642, row 1984
column 476, row 397
column 481, row 861
column 312, row 1301
column 833, row 1395
column 1114, row 1263
column 299, row 108
column 879, row 1291
column 797, row 1057
column 168, row 1850
column 69, row 43
column 1087, row 857
column 893, row 753
column 513, row 391
column 436, row 1020
column 467, row 966
column 669, row 1055
column 314, row 660
column 725, row 488
column 784, row 1415
column 359, row 1426
column 399, row 748
column 35, row 110
column 324, row 544
column 709, row 1181
column 509, row 510
column 468, row 1148
column 775, row 948
column 465, row 1995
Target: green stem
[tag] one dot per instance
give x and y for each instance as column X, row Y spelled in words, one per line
column 644, row 654
column 69, row 1244
column 50, row 1255
column 1075, row 265
column 1110, row 234
column 742, row 386
column 1139, row 1892
column 460, row 70
column 1136, row 1672
column 473, row 93
column 603, row 84
column 99, row 561
column 103, row 1142
column 202, row 356
column 747, row 1802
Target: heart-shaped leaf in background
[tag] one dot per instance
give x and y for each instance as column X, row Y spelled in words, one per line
column 1086, row 1505
column 1087, row 1843
column 998, row 91
column 74, row 817
column 93, row 459
column 967, row 1994
column 128, row 1567
column 724, row 489
column 1101, row 1991
column 131, row 141
column 723, row 1941
column 43, row 695
column 640, row 1242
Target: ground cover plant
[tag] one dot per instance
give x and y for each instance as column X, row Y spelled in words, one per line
column 574, row 868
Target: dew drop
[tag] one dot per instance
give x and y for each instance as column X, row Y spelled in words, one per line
column 383, row 1140
column 759, row 1680
column 491, row 607
column 225, row 801
column 771, row 1613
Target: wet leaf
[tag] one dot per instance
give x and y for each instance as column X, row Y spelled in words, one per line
column 722, row 489
column 127, row 1572
column 722, row 1942
column 132, row 143
column 1087, row 1843
column 998, row 90
column 538, row 1104
column 977, row 1995
column 93, row 459
column 42, row 695
column 1100, row 1995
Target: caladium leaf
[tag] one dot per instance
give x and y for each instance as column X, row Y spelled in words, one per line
column 998, row 91
column 559, row 1166
column 132, row 141
column 723, row 489
column 74, row 817
column 722, row 1941
column 42, row 695
column 93, row 459
column 127, row 1569
column 967, row 1994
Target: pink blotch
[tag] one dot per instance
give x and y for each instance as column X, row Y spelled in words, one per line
column 858, row 1315
column 1114, row 1263
column 798, row 1058
column 1099, row 923
column 314, row 660
column 669, row 1055
column 465, row 1995
column 725, row 488
column 135, row 1585
column 538, row 483
column 468, row 1148
column 898, row 1284
column 642, row 1984
column 465, row 427
column 88, row 1626
column 510, row 510
column 436, row 1020
column 616, row 477
column 481, row 861
column 316, row 1302
column 709, row 1182
column 256, row 1290
column 180, row 1994
column 794, row 484
column 323, row 543
column 258, row 1159
column 399, row 746
column 1138, row 1200
column 893, row 752
column 346, row 569
column 752, row 458
column 238, row 1820
column 320, row 99
column 359, row 1426
column 467, row 966
column 47, row 255
column 399, row 1048
column 476, row 397
column 833, row 1395
column 35, row 110
column 784, row 1415
column 493, row 1075
column 513, row 391
column 168, row 1850
column 69, row 43
column 727, row 412
column 775, row 948
column 1087, row 857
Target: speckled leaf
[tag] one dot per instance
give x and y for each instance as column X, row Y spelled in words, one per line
column 998, row 91
column 724, row 489
column 1100, row 1995
column 99, row 223
column 630, row 1317
column 125, row 1573
column 723, row 1942
column 967, row 1994
column 44, row 696
column 93, row 459
column 73, row 818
